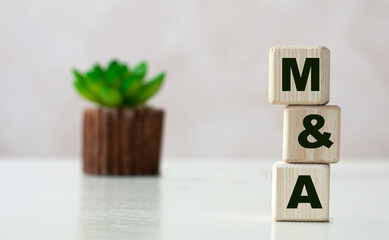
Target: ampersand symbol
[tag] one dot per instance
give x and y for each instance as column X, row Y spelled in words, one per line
column 313, row 130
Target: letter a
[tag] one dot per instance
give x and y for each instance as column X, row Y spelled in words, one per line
column 296, row 198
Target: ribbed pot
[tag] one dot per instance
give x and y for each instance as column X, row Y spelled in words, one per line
column 122, row 141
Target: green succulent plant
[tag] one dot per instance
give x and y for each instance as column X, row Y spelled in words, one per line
column 117, row 85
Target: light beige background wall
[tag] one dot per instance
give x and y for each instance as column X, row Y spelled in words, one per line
column 216, row 55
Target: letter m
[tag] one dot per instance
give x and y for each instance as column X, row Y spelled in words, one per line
column 310, row 65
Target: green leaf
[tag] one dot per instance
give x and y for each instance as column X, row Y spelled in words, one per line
column 111, row 97
column 140, row 70
column 95, row 79
column 113, row 74
column 123, row 70
column 77, row 75
column 149, row 89
column 81, row 87
column 131, row 86
column 96, row 73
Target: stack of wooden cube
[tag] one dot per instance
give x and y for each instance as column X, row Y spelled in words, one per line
column 300, row 78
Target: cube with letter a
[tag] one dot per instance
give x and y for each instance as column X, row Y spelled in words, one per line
column 301, row 192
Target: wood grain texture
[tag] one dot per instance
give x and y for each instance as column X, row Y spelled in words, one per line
column 284, row 179
column 293, row 152
column 122, row 141
column 277, row 96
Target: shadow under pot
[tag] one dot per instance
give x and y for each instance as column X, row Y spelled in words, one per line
column 122, row 141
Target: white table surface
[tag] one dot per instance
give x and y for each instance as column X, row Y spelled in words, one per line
column 197, row 199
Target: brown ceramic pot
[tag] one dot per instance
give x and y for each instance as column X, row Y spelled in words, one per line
column 122, row 141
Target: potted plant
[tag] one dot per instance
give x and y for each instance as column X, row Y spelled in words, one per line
column 123, row 135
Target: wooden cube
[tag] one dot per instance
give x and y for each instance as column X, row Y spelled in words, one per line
column 301, row 192
column 317, row 144
column 299, row 75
